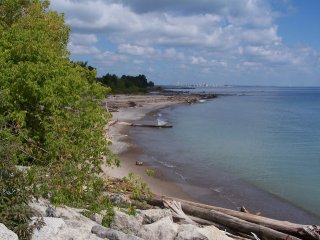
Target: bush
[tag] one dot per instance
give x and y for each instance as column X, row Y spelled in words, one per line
column 14, row 194
column 51, row 115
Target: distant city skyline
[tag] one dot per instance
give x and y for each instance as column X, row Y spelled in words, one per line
column 236, row 42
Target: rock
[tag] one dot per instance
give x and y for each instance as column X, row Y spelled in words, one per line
column 213, row 233
column 7, row 234
column 164, row 229
column 189, row 232
column 40, row 207
column 50, row 211
column 60, row 229
column 97, row 218
column 119, row 199
column 68, row 224
column 22, row 168
column 126, row 223
column 153, row 215
column 50, row 230
column 112, row 234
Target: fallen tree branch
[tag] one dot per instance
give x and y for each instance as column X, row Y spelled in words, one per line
column 177, row 213
column 287, row 228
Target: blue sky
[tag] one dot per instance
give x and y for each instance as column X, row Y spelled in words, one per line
column 240, row 42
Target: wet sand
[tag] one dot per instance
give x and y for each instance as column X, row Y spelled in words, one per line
column 124, row 146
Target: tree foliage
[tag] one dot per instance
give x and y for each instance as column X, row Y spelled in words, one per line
column 126, row 84
column 51, row 112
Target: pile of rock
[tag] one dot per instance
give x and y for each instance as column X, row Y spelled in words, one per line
column 68, row 223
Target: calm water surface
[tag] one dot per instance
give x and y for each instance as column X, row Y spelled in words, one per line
column 259, row 147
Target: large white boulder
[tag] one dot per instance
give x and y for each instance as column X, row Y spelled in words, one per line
column 126, row 223
column 68, row 223
column 213, row 233
column 60, row 229
column 153, row 215
column 190, row 232
column 164, row 229
column 7, row 234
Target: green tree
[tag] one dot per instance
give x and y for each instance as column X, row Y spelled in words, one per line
column 126, row 84
column 52, row 110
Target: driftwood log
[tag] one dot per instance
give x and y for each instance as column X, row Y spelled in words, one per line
column 265, row 228
column 150, row 125
column 145, row 125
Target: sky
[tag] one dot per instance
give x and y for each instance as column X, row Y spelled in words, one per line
column 216, row 42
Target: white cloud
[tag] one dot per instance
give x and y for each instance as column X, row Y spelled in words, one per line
column 172, row 53
column 110, row 57
column 82, row 49
column 220, row 34
column 150, row 69
column 136, row 50
column 272, row 55
column 83, row 39
column 216, row 29
column 198, row 60
column 138, row 61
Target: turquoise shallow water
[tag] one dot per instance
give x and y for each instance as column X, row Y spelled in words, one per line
column 259, row 147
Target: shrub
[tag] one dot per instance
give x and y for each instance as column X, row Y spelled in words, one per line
column 51, row 115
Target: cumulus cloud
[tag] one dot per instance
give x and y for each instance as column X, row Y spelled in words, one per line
column 172, row 53
column 82, row 49
column 136, row 50
column 83, row 39
column 203, row 33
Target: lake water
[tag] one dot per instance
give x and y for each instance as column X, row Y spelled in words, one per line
column 259, row 147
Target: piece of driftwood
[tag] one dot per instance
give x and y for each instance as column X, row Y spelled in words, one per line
column 145, row 125
column 177, row 213
column 150, row 125
column 236, row 237
column 301, row 231
column 237, row 224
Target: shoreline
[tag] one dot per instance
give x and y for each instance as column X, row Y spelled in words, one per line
column 123, row 145
column 163, row 183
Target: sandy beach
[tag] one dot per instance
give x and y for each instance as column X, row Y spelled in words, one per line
column 124, row 146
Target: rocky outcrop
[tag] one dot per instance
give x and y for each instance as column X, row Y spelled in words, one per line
column 60, row 223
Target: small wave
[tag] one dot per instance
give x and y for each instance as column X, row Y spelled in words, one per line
column 161, row 122
column 166, row 164
column 181, row 176
column 217, row 189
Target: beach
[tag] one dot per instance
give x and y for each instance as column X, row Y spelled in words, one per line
column 124, row 146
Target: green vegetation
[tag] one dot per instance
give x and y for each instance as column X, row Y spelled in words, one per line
column 150, row 172
column 132, row 184
column 51, row 117
column 126, row 84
